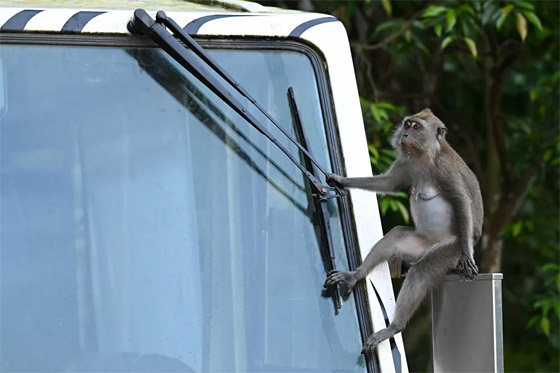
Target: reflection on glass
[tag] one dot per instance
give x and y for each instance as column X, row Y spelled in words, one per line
column 146, row 227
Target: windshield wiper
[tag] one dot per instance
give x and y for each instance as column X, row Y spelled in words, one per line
column 198, row 64
column 320, row 206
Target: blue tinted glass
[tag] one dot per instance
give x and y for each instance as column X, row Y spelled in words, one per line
column 147, row 227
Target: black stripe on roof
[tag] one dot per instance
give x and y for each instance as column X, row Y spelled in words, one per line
column 194, row 26
column 308, row 24
column 77, row 22
column 19, row 20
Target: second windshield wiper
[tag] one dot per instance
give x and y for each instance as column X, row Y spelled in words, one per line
column 203, row 67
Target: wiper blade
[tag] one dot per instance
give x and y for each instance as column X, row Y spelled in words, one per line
column 198, row 65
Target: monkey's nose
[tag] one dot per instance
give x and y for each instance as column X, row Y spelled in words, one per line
column 405, row 135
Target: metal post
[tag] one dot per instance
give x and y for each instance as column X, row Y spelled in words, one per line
column 467, row 324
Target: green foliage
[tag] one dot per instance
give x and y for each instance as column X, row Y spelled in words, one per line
column 489, row 69
column 380, row 118
column 526, row 33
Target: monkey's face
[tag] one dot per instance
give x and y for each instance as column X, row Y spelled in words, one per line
column 419, row 134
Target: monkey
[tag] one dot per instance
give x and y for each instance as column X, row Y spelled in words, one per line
column 446, row 207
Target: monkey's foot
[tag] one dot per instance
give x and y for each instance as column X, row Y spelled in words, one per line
column 467, row 267
column 377, row 338
column 349, row 278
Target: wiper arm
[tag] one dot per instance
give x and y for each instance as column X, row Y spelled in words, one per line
column 198, row 65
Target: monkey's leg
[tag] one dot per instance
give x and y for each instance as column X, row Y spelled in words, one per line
column 427, row 273
column 402, row 242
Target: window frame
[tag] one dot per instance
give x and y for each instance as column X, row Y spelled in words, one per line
column 319, row 66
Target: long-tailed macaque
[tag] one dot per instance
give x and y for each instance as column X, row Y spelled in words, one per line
column 446, row 206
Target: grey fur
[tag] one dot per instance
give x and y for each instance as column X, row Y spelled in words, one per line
column 446, row 206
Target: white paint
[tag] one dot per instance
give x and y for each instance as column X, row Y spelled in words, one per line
column 7, row 13
column 115, row 20
column 48, row 20
column 248, row 5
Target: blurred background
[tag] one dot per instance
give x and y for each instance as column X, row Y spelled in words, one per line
column 490, row 71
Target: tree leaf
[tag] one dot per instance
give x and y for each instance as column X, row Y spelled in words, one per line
column 516, row 228
column 467, row 8
column 388, row 152
column 437, row 29
column 490, row 11
column 548, row 155
column 505, row 11
column 422, row 47
column 447, row 41
column 551, row 267
column 532, row 17
column 524, row 5
column 472, row 46
column 521, row 24
column 545, row 325
column 450, row 19
column 373, row 151
column 403, row 210
column 533, row 320
column 387, row 6
column 384, row 205
column 375, row 112
column 386, row 105
column 433, row 11
column 386, row 26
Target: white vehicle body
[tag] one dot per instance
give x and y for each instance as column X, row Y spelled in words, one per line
column 323, row 33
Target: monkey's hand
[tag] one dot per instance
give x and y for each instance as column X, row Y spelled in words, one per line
column 349, row 278
column 467, row 266
column 334, row 180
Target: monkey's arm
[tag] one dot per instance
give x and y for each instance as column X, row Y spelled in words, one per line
column 464, row 230
column 392, row 181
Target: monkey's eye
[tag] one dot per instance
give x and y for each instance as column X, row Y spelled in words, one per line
column 416, row 126
column 407, row 124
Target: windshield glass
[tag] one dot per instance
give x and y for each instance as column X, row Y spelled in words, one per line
column 146, row 227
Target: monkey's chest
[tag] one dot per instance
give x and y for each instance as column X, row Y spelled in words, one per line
column 432, row 214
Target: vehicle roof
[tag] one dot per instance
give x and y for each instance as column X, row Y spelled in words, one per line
column 225, row 17
column 172, row 5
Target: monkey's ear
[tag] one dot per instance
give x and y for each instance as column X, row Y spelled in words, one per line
column 441, row 131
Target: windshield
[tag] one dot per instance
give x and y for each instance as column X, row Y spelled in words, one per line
column 147, row 227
